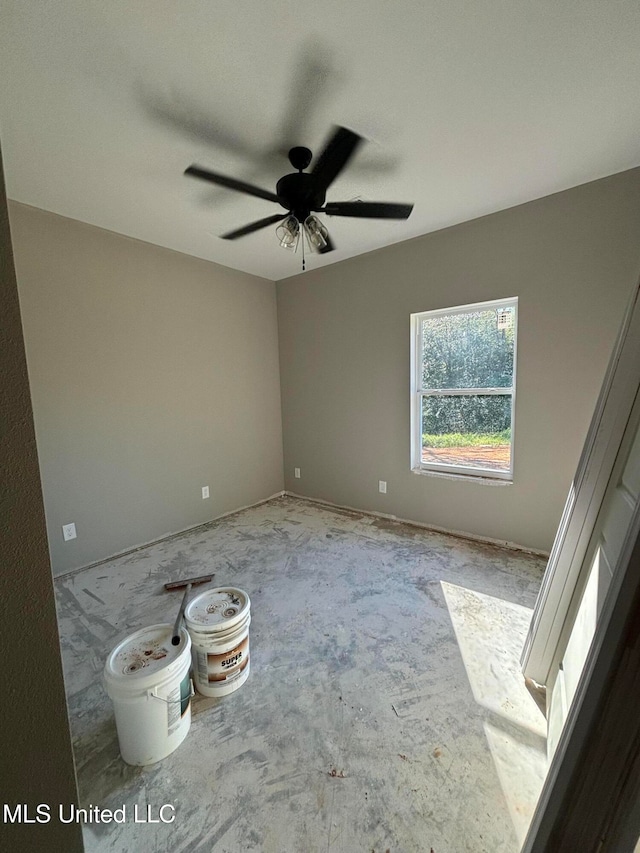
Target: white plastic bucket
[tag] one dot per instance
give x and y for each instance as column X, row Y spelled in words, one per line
column 218, row 622
column 147, row 679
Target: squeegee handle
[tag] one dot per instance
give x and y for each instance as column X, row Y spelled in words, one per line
column 175, row 640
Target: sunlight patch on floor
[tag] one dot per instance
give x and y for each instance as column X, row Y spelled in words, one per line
column 490, row 633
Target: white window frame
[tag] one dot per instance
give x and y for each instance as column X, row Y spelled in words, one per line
column 418, row 392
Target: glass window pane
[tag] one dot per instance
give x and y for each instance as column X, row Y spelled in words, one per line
column 469, row 350
column 474, row 431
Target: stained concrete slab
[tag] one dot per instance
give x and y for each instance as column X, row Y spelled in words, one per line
column 385, row 710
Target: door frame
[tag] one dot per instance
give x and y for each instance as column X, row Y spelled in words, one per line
column 590, row 800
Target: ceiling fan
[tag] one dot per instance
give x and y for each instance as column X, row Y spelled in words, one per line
column 302, row 194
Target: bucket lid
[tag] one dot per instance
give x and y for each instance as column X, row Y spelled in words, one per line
column 145, row 653
column 217, row 609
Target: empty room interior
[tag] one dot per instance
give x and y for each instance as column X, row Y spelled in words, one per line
column 364, row 407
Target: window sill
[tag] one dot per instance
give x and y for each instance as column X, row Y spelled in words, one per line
column 468, row 478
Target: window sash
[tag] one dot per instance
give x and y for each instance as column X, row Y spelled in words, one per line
column 419, row 391
column 460, row 392
column 479, row 471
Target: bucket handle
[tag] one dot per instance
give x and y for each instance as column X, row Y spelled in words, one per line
column 153, row 695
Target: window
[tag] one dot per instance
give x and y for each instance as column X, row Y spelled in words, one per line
column 463, row 389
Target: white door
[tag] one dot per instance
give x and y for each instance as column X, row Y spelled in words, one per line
column 618, row 507
column 568, row 570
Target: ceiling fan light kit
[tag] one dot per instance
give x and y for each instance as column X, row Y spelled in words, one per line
column 317, row 234
column 302, row 194
column 288, row 233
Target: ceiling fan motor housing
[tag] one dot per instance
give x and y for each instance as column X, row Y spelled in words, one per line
column 299, row 193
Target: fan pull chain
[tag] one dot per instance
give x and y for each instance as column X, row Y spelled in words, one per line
column 303, row 267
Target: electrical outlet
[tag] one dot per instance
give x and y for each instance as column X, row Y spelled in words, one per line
column 382, row 486
column 205, row 492
column 296, row 473
column 69, row 531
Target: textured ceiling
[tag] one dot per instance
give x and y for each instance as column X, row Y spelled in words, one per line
column 469, row 107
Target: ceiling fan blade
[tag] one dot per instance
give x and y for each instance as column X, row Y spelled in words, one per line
column 368, row 209
column 253, row 226
column 231, row 183
column 335, row 156
column 313, row 79
column 176, row 111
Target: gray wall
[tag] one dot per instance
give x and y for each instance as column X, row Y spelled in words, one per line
column 37, row 766
column 152, row 374
column 571, row 258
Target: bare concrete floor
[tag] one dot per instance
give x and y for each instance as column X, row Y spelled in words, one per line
column 385, row 710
